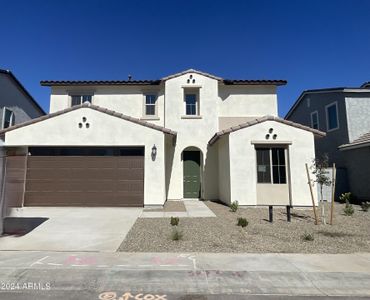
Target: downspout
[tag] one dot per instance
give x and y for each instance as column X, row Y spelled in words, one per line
column 164, row 105
column 2, row 200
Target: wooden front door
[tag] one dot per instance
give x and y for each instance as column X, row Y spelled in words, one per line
column 191, row 160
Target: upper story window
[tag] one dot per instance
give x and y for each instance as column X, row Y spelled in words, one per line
column 271, row 165
column 150, row 105
column 191, row 104
column 8, row 118
column 191, row 100
column 79, row 99
column 332, row 121
column 315, row 120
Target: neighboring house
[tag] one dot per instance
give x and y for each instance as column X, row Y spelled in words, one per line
column 141, row 142
column 16, row 106
column 344, row 114
column 16, row 103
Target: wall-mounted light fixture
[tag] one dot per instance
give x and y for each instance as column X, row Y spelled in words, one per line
column 154, row 152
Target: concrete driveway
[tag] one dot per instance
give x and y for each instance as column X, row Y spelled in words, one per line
column 73, row 229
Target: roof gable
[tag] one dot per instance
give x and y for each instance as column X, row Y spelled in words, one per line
column 363, row 89
column 94, row 107
column 23, row 89
column 192, row 71
column 261, row 120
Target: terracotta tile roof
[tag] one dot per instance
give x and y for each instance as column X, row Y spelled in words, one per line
column 94, row 107
column 362, row 141
column 261, row 120
column 159, row 81
column 11, row 75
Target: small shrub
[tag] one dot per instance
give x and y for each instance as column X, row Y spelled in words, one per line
column 242, row 222
column 345, row 197
column 176, row 235
column 365, row 206
column 348, row 209
column 234, row 206
column 174, row 221
column 308, row 237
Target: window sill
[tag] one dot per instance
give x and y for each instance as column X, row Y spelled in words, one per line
column 150, row 118
column 333, row 129
column 191, row 117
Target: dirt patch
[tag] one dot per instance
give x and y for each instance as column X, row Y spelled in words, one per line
column 347, row 235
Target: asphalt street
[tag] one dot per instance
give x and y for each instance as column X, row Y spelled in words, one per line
column 150, row 276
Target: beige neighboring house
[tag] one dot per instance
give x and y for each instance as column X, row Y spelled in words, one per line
column 142, row 142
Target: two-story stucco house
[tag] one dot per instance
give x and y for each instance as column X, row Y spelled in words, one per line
column 141, row 142
column 344, row 114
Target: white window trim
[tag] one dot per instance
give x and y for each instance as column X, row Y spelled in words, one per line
column 189, row 90
column 327, row 119
column 150, row 117
column 80, row 94
column 287, row 166
column 11, row 118
column 318, row 120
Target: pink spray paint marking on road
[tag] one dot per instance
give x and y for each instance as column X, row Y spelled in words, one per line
column 75, row 260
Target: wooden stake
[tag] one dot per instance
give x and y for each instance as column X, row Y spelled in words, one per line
column 312, row 197
column 334, row 177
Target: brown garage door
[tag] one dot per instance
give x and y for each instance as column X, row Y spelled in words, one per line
column 84, row 181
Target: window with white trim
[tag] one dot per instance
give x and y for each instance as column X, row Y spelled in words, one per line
column 80, row 99
column 271, row 165
column 315, row 120
column 8, row 118
column 332, row 121
column 150, row 105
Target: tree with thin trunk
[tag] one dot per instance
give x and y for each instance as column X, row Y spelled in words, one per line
column 319, row 169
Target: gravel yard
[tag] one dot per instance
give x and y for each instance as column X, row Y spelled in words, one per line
column 348, row 234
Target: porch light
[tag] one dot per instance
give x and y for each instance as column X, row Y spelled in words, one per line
column 154, row 152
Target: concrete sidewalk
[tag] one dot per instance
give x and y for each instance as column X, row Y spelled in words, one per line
column 194, row 209
column 191, row 273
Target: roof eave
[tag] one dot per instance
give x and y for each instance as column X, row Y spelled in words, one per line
column 317, row 133
column 254, row 82
column 354, row 146
column 327, row 90
column 8, row 72
column 97, row 108
column 52, row 83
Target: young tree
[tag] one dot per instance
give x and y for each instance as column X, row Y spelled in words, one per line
column 319, row 168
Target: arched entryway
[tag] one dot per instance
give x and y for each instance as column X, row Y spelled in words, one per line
column 192, row 175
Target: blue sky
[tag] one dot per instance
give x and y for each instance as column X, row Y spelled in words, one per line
column 312, row 44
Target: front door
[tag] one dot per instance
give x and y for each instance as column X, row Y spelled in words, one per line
column 191, row 174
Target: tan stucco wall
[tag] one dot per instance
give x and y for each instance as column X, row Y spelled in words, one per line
column 224, row 169
column 192, row 132
column 236, row 101
column 104, row 130
column 228, row 122
column 128, row 100
column 243, row 172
